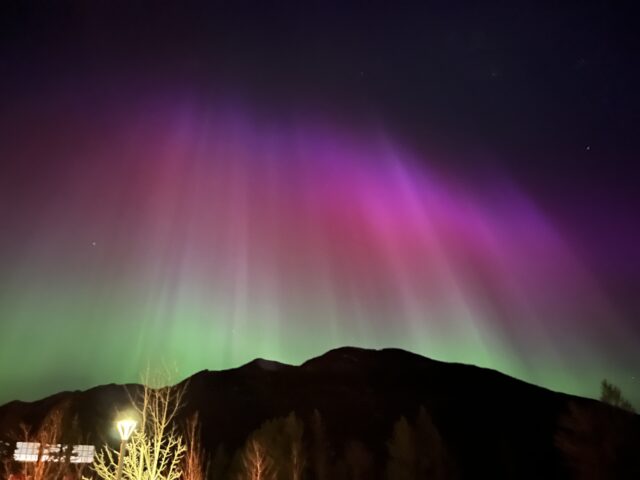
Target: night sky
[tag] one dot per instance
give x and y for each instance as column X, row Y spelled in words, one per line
column 204, row 183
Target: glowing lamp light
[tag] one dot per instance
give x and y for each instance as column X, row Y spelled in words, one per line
column 126, row 428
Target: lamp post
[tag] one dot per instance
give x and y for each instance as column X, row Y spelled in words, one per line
column 125, row 429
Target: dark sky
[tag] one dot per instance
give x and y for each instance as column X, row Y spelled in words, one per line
column 546, row 92
column 500, row 74
column 549, row 91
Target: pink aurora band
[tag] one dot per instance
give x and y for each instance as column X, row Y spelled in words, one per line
column 211, row 237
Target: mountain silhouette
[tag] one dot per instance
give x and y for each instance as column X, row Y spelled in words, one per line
column 493, row 426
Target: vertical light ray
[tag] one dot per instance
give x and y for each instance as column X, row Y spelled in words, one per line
column 206, row 238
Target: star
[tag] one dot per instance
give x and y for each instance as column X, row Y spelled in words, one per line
column 93, row 244
column 588, row 147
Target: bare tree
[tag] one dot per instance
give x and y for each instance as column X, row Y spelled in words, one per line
column 275, row 451
column 195, row 464
column 320, row 447
column 402, row 463
column 418, row 451
column 49, row 461
column 256, row 462
column 156, row 448
column 434, row 461
column 294, row 429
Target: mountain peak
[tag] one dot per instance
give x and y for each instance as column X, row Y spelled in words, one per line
column 266, row 365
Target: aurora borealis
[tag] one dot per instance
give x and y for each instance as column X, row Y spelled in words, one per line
column 200, row 231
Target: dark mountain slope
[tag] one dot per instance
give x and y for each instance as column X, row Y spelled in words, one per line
column 493, row 426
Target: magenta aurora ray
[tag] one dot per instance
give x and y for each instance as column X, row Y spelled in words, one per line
column 207, row 236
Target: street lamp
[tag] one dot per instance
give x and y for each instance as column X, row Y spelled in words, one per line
column 125, row 429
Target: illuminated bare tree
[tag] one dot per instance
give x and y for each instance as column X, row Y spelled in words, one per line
column 156, row 448
column 194, row 461
column 256, row 462
column 48, row 461
column 418, row 451
column 402, row 463
column 294, row 429
column 274, row 451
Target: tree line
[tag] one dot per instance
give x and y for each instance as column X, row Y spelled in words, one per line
column 164, row 446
